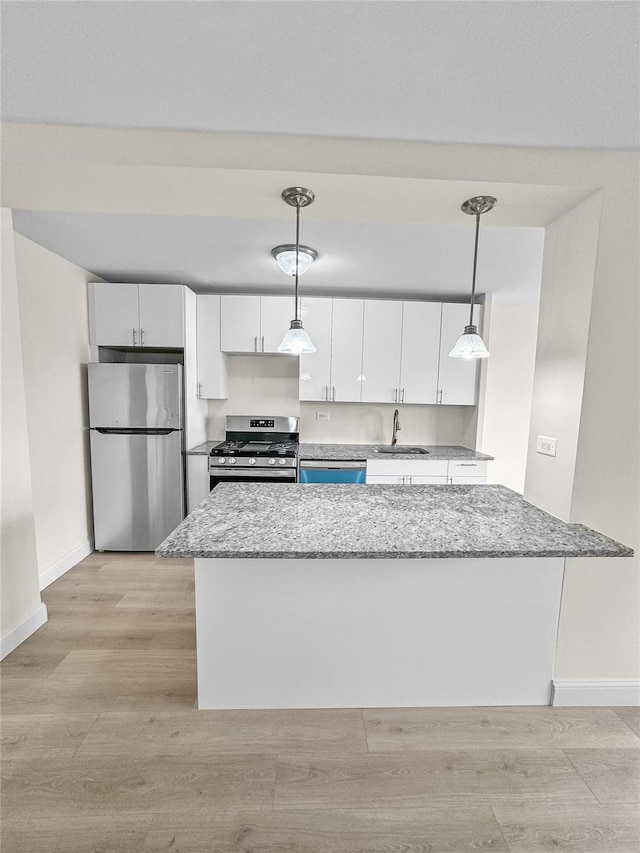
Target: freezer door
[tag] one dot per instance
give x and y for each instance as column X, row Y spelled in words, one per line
column 135, row 395
column 137, row 489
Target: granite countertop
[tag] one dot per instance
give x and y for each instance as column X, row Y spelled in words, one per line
column 337, row 521
column 348, row 452
column 368, row 451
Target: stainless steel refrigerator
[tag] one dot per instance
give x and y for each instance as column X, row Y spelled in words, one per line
column 137, row 471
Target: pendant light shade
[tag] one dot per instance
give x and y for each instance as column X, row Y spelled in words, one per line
column 470, row 345
column 286, row 258
column 296, row 341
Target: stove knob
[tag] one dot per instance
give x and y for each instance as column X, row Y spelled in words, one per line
column 221, row 460
column 251, row 461
column 282, row 461
column 232, row 461
column 272, row 462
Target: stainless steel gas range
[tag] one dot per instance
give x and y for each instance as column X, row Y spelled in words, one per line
column 256, row 450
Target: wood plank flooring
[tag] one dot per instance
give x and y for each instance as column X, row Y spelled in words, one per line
column 103, row 750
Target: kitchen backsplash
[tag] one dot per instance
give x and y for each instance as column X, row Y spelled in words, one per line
column 268, row 385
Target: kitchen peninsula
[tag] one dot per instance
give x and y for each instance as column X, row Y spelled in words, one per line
column 313, row 596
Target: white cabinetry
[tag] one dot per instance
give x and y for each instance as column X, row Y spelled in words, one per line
column 315, row 367
column 197, row 480
column 212, row 363
column 457, row 377
column 346, row 350
column 252, row 324
column 415, row 472
column 420, row 352
column 334, row 372
column 381, row 350
column 140, row 315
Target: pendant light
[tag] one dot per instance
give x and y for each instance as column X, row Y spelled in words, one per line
column 470, row 344
column 297, row 341
column 286, row 258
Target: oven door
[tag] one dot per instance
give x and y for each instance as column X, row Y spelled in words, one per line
column 253, row 475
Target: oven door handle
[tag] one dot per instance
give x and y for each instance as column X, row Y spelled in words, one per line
column 253, row 473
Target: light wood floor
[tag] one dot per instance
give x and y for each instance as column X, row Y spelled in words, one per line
column 103, row 750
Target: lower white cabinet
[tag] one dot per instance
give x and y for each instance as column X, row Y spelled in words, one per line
column 197, row 480
column 416, row 472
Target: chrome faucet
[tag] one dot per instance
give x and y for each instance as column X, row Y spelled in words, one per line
column 396, row 429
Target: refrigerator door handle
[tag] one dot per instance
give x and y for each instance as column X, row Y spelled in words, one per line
column 130, row 431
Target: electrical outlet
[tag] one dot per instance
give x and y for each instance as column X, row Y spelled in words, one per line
column 323, row 416
column 546, row 445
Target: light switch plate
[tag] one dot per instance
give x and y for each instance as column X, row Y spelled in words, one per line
column 323, row 416
column 546, row 445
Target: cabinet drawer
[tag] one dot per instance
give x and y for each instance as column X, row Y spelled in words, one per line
column 407, row 467
column 468, row 468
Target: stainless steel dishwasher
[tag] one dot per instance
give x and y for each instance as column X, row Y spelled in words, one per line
column 333, row 471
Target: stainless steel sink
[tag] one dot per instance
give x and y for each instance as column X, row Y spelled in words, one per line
column 403, row 450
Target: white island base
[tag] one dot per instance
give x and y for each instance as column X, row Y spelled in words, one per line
column 357, row 633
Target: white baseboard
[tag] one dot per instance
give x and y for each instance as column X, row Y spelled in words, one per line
column 615, row 692
column 66, row 562
column 24, row 630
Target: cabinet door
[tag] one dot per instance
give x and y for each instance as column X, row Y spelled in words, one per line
column 212, row 368
column 240, row 323
column 161, row 315
column 457, row 377
column 315, row 368
column 381, row 347
column 115, row 315
column 276, row 314
column 197, row 480
column 420, row 352
column 346, row 350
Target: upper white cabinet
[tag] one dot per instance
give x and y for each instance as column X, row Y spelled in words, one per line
column 334, row 372
column 420, row 352
column 457, row 377
column 381, row 351
column 315, row 368
column 252, row 324
column 346, row 350
column 212, row 362
column 139, row 315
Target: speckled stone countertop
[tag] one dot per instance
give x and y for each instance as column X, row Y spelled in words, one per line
column 337, row 521
column 368, row 451
column 347, row 452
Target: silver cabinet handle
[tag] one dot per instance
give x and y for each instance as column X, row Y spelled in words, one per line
column 395, row 395
column 326, row 393
column 402, row 396
column 263, row 343
column 255, row 344
column 141, row 337
column 440, row 396
column 333, row 393
column 135, row 332
column 199, row 389
column 468, row 464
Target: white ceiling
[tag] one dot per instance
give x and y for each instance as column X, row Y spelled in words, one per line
column 561, row 74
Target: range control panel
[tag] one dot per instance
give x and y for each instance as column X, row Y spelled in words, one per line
column 261, row 423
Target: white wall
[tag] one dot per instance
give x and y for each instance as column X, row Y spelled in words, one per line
column 55, row 349
column 563, row 332
column 506, row 391
column 21, row 611
column 268, row 385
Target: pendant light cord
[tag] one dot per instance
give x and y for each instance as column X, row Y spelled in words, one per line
column 475, row 263
column 297, row 254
